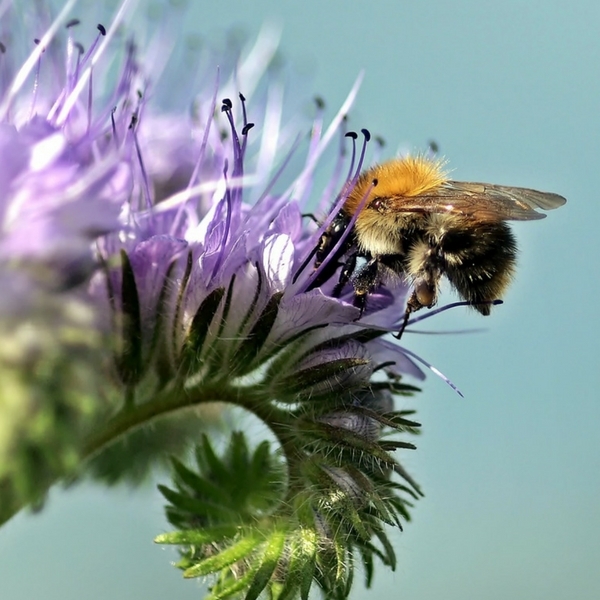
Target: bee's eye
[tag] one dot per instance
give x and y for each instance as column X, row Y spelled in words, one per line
column 379, row 204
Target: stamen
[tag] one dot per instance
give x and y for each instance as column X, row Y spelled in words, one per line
column 71, row 99
column 433, row 149
column 36, row 80
column 31, row 61
column 90, row 101
column 228, row 211
column 437, row 311
column 207, row 127
column 279, row 171
column 114, row 127
column 333, row 183
column 346, row 232
column 361, row 160
column 80, row 52
column 336, row 209
column 353, row 136
column 245, row 127
column 70, row 70
column 90, row 52
column 211, row 111
column 226, row 107
column 432, row 369
column 145, row 178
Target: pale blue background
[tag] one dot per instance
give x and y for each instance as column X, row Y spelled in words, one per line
column 511, row 92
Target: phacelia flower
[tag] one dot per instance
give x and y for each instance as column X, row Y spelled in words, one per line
column 156, row 262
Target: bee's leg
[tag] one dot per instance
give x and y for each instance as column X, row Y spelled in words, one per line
column 424, row 266
column 364, row 282
column 412, row 305
column 345, row 274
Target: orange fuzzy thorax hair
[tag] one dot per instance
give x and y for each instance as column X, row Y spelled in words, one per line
column 408, row 176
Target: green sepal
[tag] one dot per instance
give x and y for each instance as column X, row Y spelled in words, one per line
column 300, row 572
column 339, row 437
column 302, row 382
column 254, row 341
column 390, row 554
column 190, row 356
column 271, row 556
column 129, row 361
column 239, row 550
column 224, row 589
column 197, row 536
column 393, row 420
column 368, row 565
column 391, row 445
column 161, row 358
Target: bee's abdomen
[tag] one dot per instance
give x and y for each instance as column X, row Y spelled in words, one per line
column 479, row 260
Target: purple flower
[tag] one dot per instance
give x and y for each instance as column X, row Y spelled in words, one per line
column 181, row 242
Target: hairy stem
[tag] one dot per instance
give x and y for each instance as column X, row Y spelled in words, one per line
column 167, row 402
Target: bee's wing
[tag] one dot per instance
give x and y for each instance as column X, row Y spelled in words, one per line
column 482, row 201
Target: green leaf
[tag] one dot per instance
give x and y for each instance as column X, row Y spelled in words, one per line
column 209, row 462
column 195, row 505
column 200, row 486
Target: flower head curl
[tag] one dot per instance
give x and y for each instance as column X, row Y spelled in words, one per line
column 188, row 239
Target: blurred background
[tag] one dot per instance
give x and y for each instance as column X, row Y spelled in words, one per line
column 511, row 93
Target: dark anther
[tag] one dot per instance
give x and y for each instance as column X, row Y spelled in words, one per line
column 101, row 28
column 434, row 146
column 384, row 365
column 319, row 102
column 246, row 128
column 226, row 105
column 72, row 23
column 242, row 97
column 79, row 47
column 36, row 41
column 2, row 48
column 351, row 134
column 380, row 141
column 139, row 94
column 366, row 133
column 375, row 181
column 134, row 120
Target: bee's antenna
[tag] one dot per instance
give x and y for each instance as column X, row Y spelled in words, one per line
column 367, row 135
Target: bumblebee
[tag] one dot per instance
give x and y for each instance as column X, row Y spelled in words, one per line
column 415, row 223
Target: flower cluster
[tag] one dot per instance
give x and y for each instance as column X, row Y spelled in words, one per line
column 155, row 264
